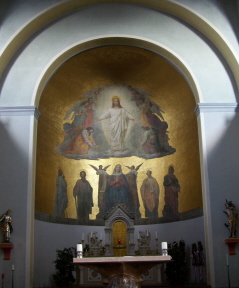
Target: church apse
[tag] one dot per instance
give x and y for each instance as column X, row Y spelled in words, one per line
column 109, row 133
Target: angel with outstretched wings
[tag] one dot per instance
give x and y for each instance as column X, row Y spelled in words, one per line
column 103, row 178
column 134, row 169
column 132, row 181
column 87, row 105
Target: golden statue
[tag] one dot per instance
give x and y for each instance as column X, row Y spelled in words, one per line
column 7, row 229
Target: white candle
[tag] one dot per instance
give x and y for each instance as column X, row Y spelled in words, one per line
column 147, row 233
column 12, row 267
column 91, row 234
column 164, row 245
column 79, row 247
column 83, row 236
column 156, row 234
column 227, row 258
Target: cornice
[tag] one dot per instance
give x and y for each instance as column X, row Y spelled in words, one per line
column 20, row 111
column 216, row 107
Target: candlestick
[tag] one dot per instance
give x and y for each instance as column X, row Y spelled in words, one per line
column 157, row 247
column 228, row 272
column 79, row 250
column 79, row 247
column 82, row 241
column 12, row 276
column 3, row 280
column 156, row 234
column 164, row 245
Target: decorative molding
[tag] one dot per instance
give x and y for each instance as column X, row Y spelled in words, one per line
column 20, row 111
column 216, row 107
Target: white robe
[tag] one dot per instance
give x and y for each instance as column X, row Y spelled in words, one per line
column 118, row 124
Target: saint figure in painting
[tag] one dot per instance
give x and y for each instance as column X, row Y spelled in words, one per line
column 118, row 124
column 118, row 191
column 82, row 142
column 150, row 195
column 83, row 197
column 172, row 188
column 89, row 113
column 61, row 199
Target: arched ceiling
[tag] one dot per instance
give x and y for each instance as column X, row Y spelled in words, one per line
column 124, row 40
column 169, row 7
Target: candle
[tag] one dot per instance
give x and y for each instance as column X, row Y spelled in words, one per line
column 79, row 247
column 12, row 267
column 83, row 237
column 164, row 245
column 147, row 233
column 227, row 258
column 156, row 234
column 91, row 234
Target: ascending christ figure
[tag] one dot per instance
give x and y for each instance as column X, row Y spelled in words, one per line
column 118, row 124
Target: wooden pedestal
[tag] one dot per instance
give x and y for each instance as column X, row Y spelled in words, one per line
column 231, row 243
column 6, row 248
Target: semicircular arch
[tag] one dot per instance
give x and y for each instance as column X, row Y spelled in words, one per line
column 155, row 47
column 177, row 10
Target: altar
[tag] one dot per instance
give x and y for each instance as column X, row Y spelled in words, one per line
column 120, row 271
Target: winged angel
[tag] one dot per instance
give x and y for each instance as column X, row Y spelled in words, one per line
column 103, row 178
column 140, row 129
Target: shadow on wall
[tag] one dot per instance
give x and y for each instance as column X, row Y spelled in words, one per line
column 230, row 8
column 12, row 164
column 223, row 167
column 13, row 187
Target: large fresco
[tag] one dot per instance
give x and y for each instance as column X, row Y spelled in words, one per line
column 115, row 121
column 117, row 125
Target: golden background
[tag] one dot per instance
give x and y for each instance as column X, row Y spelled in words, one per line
column 136, row 67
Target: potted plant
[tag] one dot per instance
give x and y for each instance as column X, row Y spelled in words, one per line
column 63, row 277
column 176, row 271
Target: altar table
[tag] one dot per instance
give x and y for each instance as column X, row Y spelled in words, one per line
column 122, row 272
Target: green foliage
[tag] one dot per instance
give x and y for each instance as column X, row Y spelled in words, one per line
column 176, row 271
column 64, row 267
